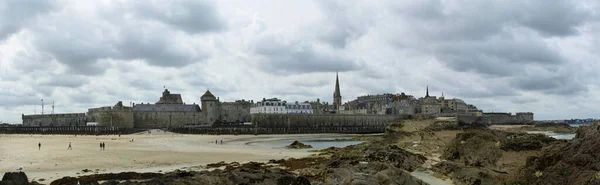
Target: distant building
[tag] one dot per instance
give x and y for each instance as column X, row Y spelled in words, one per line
column 299, row 108
column 269, row 106
column 430, row 104
column 169, row 111
column 277, row 106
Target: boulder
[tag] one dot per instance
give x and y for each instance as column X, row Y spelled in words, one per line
column 14, row 178
column 298, row 145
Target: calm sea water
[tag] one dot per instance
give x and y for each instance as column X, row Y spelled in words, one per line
column 317, row 144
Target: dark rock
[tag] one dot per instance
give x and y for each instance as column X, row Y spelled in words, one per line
column 14, row 178
column 463, row 175
column 566, row 162
column 298, row 145
column 301, row 181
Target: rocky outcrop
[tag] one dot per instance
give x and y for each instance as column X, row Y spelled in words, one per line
column 14, row 178
column 298, row 145
column 463, row 175
column 249, row 173
column 483, row 147
column 568, row 162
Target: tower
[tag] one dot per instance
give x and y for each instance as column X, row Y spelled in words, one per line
column 337, row 97
column 210, row 107
column 427, row 94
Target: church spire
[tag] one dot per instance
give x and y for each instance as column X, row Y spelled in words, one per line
column 427, row 95
column 337, row 96
column 337, row 86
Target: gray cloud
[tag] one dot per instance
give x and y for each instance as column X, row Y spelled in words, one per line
column 81, row 44
column 341, row 25
column 560, row 84
column 290, row 58
column 69, row 81
column 14, row 14
column 189, row 15
column 495, row 54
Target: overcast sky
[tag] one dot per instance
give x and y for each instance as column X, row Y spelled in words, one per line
column 528, row 55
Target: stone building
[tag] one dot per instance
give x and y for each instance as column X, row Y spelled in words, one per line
column 168, row 112
column 453, row 105
column 235, row 112
column 429, row 104
column 117, row 115
column 39, row 120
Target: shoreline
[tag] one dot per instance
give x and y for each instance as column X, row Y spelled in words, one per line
column 148, row 152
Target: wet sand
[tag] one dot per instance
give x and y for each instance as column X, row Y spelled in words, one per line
column 148, row 153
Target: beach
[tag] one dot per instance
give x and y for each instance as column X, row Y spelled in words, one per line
column 149, row 152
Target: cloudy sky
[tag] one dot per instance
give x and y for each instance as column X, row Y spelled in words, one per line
column 529, row 55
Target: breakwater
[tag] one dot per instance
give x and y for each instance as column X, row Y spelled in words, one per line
column 299, row 124
column 67, row 130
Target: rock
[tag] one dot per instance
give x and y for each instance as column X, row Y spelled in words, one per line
column 298, row 145
column 566, row 162
column 14, row 178
column 462, row 175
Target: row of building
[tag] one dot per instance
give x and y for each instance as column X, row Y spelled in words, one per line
column 171, row 111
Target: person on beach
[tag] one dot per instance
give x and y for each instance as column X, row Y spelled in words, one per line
column 39, row 146
column 221, row 141
column 100, row 146
column 69, row 146
column 103, row 145
column 216, row 142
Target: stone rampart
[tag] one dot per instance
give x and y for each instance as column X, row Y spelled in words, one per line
column 238, row 111
column 90, row 130
column 497, row 119
column 73, row 119
column 166, row 119
column 121, row 117
column 320, row 120
column 299, row 124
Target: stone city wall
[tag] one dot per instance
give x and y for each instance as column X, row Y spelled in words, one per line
column 235, row 111
column 73, row 119
column 166, row 119
column 299, row 124
column 121, row 117
column 311, row 120
column 69, row 130
column 497, row 119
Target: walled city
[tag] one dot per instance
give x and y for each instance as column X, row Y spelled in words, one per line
column 170, row 111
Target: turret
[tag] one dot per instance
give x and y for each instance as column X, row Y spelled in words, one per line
column 210, row 107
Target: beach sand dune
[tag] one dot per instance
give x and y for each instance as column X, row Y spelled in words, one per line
column 147, row 153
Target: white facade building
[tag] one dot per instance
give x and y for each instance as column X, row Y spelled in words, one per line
column 277, row 106
column 269, row 106
column 299, row 108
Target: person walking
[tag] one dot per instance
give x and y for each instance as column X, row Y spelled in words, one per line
column 39, row 146
column 69, row 146
column 221, row 141
column 103, row 145
column 216, row 142
column 100, row 146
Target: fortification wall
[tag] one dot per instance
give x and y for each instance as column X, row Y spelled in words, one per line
column 120, row 117
column 496, row 119
column 300, row 124
column 166, row 119
column 235, row 111
column 320, row 120
column 82, row 130
column 74, row 119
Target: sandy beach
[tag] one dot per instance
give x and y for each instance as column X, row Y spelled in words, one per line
column 147, row 153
